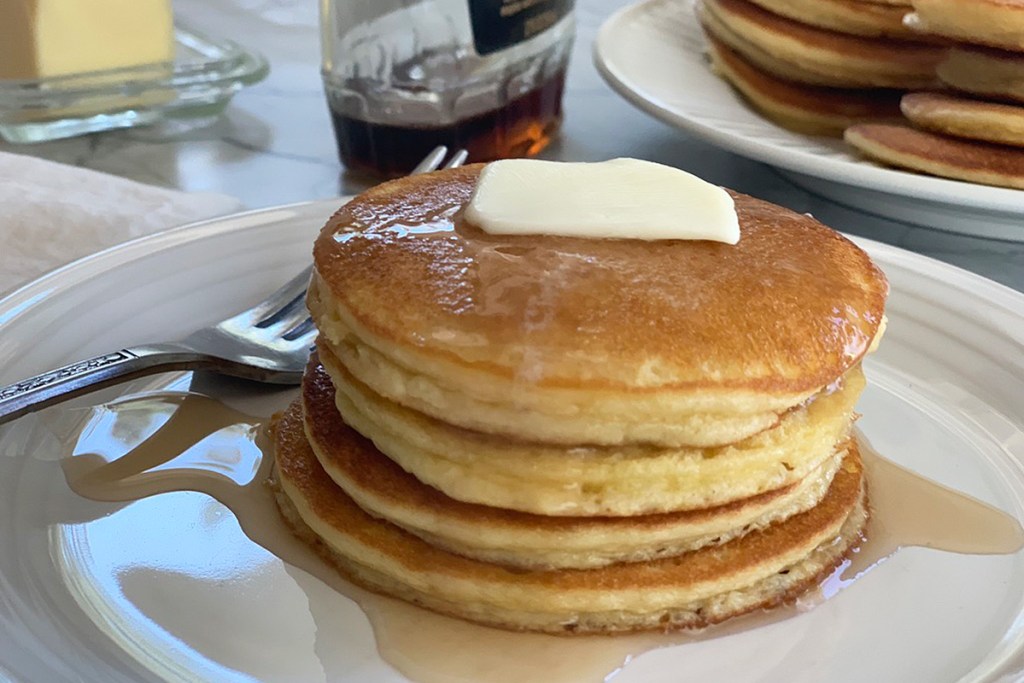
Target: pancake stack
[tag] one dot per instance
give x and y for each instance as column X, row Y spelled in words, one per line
column 976, row 132
column 575, row 435
column 819, row 66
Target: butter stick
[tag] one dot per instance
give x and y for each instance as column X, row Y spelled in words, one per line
column 618, row 199
column 44, row 38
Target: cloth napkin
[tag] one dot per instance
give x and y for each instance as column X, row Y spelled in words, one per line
column 53, row 213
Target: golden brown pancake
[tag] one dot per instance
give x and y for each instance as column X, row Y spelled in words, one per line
column 760, row 569
column 580, row 481
column 966, row 118
column 996, row 23
column 994, row 74
column 807, row 54
column 385, row 490
column 941, row 155
column 845, row 16
column 581, row 341
column 756, row 55
column 809, row 109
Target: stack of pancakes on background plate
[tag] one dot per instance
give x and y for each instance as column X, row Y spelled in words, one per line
column 842, row 67
column 579, row 435
column 975, row 131
column 818, row 66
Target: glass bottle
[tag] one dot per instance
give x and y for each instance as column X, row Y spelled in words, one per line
column 402, row 76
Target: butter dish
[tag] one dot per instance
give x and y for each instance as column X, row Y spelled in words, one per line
column 203, row 76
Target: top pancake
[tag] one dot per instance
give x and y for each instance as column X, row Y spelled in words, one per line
column 788, row 309
column 996, row 23
column 845, row 16
column 800, row 52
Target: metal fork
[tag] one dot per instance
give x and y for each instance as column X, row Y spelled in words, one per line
column 269, row 342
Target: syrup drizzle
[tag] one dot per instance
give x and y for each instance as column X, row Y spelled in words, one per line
column 203, row 445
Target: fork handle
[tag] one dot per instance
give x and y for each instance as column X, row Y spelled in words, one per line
column 88, row 375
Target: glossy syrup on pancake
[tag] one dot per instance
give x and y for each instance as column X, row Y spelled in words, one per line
column 400, row 259
column 574, row 341
column 204, row 446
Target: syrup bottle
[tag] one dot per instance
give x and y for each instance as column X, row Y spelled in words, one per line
column 402, row 76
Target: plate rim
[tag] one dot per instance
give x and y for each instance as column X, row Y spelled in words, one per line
column 981, row 198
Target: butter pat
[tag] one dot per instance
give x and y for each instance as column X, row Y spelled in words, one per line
column 621, row 198
column 42, row 38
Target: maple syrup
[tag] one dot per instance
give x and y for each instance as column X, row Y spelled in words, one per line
column 521, row 128
column 202, row 445
column 403, row 76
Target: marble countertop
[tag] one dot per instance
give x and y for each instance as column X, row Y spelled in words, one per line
column 274, row 144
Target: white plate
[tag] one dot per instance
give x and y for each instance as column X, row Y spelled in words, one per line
column 652, row 53
column 95, row 592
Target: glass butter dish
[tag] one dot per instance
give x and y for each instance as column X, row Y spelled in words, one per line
column 201, row 80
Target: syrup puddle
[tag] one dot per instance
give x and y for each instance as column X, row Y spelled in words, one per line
column 161, row 442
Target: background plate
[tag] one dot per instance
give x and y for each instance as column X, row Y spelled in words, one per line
column 652, row 53
column 169, row 588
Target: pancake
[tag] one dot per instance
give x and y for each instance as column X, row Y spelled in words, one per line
column 966, row 118
column 806, row 54
column 808, row 109
column 588, row 342
column 580, row 481
column 518, row 409
column 760, row 569
column 976, row 162
column 845, row 16
column 385, row 490
column 996, row 23
column 991, row 73
column 755, row 55
column 890, row 3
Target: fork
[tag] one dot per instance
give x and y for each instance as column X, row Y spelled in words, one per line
column 269, row 342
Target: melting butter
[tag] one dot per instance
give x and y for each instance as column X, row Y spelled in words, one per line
column 915, row 22
column 621, row 198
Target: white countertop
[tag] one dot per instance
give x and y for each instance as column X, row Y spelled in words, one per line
column 274, row 145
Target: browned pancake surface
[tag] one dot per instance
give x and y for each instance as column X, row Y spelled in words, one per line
column 997, row 23
column 891, row 3
column 966, row 117
column 299, row 466
column 829, row 105
column 881, row 49
column 925, row 103
column 940, row 154
column 370, row 470
column 844, row 16
column 994, row 74
column 789, row 308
